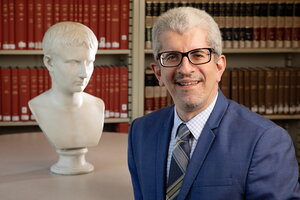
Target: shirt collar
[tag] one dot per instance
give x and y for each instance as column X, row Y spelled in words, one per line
column 197, row 123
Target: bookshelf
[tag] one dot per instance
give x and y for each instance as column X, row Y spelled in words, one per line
column 107, row 56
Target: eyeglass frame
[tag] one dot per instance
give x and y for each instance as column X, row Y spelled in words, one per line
column 185, row 54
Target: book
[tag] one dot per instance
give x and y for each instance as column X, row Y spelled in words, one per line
column 6, row 94
column 33, row 86
column 108, row 16
column 93, row 16
column 24, row 93
column 20, row 24
column 11, row 25
column 123, row 92
column 30, row 24
column 124, row 24
column 115, row 24
column 149, row 90
column 5, row 23
column 15, row 95
column 38, row 24
column 102, row 24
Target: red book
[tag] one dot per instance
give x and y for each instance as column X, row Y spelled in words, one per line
column 124, row 24
column 47, row 79
column 91, row 87
column 1, row 3
column 15, row 95
column 71, row 11
column 97, row 74
column 123, row 92
column 5, row 25
column 38, row 23
column 11, row 25
column 102, row 82
column 123, row 127
column 6, row 94
column 40, row 80
column 30, row 24
column 24, row 93
column 111, row 86
column 108, row 24
column 86, row 12
column 64, row 10
column 102, row 24
column 80, row 11
column 0, row 93
column 21, row 24
column 93, row 17
column 115, row 24
column 116, row 99
column 106, row 91
column 48, row 14
column 56, row 13
column 33, row 86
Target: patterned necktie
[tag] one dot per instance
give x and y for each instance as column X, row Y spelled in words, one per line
column 179, row 162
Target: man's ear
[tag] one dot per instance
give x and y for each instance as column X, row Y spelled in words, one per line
column 221, row 66
column 157, row 71
column 48, row 63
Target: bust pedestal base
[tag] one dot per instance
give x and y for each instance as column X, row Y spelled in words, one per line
column 72, row 162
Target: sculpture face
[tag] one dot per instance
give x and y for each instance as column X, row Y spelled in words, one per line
column 72, row 68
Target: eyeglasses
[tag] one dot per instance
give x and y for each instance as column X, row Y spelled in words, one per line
column 174, row 58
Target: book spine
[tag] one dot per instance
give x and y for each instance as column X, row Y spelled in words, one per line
column 288, row 24
column 6, row 94
column 38, row 23
column 234, row 84
column 64, row 10
column 247, row 83
column 86, row 12
column 148, row 24
column 280, row 98
column 149, row 91
column 296, row 25
column 279, row 37
column 108, row 24
column 261, row 91
column 11, row 23
column 256, row 25
column 249, row 24
column 292, row 87
column 41, row 78
column 111, row 91
column 21, row 26
column 15, row 95
column 124, row 24
column 269, row 91
column 93, row 17
column 48, row 14
column 115, row 24
column 241, row 86
column 33, row 86
column 124, row 92
column 263, row 24
column 56, row 12
column 30, row 24
column 271, row 26
column 254, row 90
column 116, row 99
column 102, row 24
column 1, row 41
column 5, row 31
column 225, row 83
column 24, row 93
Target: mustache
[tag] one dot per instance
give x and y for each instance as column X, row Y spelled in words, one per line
column 194, row 77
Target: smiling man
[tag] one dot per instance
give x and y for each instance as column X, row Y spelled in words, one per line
column 69, row 117
column 205, row 146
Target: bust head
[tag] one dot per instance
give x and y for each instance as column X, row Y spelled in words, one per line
column 69, row 54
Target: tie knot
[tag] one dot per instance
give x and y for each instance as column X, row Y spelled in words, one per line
column 183, row 132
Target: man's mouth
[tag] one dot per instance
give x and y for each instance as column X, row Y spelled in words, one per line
column 187, row 83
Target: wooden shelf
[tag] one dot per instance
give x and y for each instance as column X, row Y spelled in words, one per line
column 40, row 52
column 33, row 123
column 244, row 50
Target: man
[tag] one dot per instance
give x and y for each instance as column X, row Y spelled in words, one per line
column 69, row 117
column 221, row 150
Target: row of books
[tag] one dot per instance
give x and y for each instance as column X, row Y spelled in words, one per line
column 243, row 23
column 265, row 90
column 24, row 22
column 19, row 85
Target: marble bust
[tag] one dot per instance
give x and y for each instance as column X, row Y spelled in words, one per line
column 71, row 119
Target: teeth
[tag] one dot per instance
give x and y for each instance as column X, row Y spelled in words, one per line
column 189, row 83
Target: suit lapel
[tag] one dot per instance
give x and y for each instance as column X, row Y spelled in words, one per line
column 204, row 144
column 163, row 140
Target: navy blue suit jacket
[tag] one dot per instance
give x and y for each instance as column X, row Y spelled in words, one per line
column 239, row 155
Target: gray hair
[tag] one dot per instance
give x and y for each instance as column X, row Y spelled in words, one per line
column 182, row 19
column 68, row 34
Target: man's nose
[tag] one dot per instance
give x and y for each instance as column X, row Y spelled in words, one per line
column 186, row 67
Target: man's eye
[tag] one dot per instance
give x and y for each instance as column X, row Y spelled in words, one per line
column 171, row 57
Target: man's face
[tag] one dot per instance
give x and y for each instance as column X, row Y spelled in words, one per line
column 192, row 87
column 72, row 68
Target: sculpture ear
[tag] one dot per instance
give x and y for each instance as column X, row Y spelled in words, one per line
column 48, row 63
